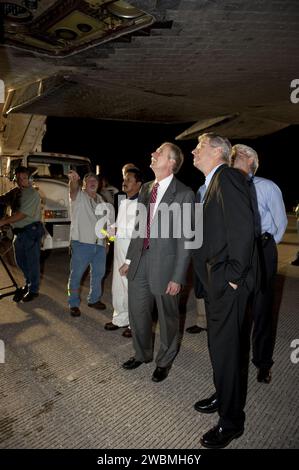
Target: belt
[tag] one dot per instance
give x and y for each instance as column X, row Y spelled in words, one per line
column 266, row 236
column 16, row 230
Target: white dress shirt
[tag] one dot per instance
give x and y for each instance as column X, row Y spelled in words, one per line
column 162, row 188
column 210, row 176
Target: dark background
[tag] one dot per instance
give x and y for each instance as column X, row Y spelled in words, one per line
column 111, row 144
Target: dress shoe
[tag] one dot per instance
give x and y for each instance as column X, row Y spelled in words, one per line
column 264, row 375
column 209, row 405
column 218, row 437
column 75, row 311
column 295, row 262
column 98, row 305
column 195, row 329
column 132, row 363
column 110, row 326
column 20, row 293
column 127, row 333
column 29, row 296
column 160, row 373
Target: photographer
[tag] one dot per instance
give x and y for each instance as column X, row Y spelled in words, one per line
column 25, row 205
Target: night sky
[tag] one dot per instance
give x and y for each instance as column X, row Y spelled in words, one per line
column 112, row 144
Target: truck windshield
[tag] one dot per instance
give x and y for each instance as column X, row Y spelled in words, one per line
column 56, row 168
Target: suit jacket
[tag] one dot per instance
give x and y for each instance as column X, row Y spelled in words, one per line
column 168, row 257
column 228, row 234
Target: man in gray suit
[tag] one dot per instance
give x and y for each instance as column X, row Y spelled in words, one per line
column 156, row 265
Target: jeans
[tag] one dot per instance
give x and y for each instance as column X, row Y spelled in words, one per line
column 27, row 253
column 84, row 255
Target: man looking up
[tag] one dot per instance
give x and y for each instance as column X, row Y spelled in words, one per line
column 223, row 266
column 87, row 248
column 270, row 224
column 157, row 266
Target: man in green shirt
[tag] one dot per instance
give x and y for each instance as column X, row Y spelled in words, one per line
column 25, row 205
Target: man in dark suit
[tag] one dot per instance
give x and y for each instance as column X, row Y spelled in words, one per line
column 223, row 265
column 157, row 265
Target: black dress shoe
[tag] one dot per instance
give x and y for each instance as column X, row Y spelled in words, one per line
column 98, row 305
column 195, row 329
column 127, row 333
column 20, row 293
column 264, row 375
column 132, row 363
column 29, row 296
column 75, row 311
column 209, row 405
column 218, row 437
column 160, row 373
column 110, row 326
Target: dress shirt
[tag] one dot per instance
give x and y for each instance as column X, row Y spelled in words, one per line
column 200, row 194
column 271, row 207
column 210, row 176
column 163, row 185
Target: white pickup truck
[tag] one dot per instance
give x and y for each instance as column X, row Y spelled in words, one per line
column 49, row 173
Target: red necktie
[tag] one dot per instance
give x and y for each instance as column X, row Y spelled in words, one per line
column 150, row 214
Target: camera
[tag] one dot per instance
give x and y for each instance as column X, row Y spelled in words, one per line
column 6, row 233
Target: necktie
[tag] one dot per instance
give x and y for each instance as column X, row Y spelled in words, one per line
column 201, row 193
column 150, row 214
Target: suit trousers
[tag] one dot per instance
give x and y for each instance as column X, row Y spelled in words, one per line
column 201, row 313
column 226, row 320
column 263, row 332
column 141, row 303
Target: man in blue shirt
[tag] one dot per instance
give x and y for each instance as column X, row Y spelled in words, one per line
column 270, row 225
